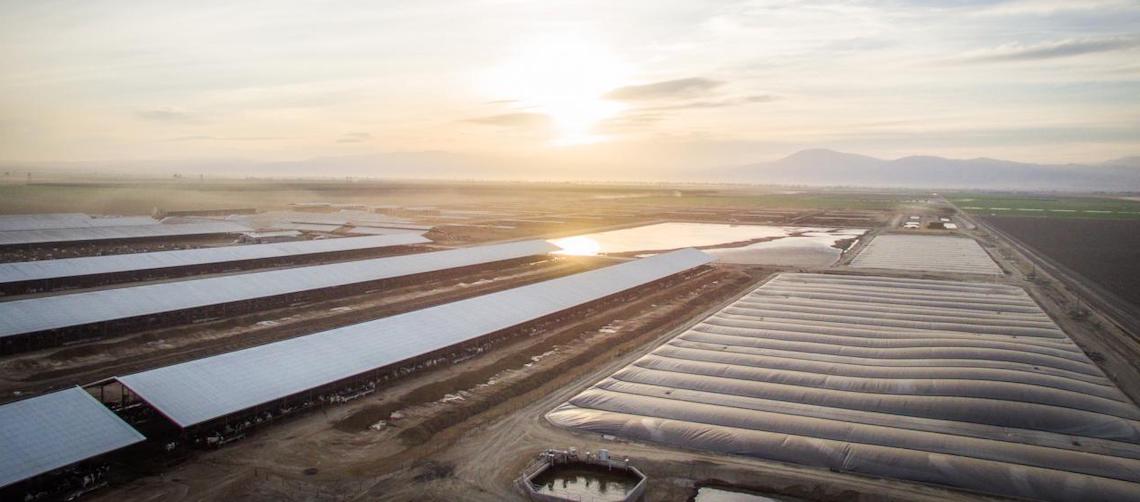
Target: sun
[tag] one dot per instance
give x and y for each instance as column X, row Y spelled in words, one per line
column 577, row 246
column 565, row 79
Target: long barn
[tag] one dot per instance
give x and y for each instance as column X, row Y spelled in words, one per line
column 225, row 385
column 49, row 432
column 38, row 322
column 101, row 270
column 117, row 233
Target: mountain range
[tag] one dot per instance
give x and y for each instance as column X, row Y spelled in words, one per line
column 828, row 167
column 814, row 167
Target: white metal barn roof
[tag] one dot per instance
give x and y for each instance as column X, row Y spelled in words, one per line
column 48, row 236
column 201, row 390
column 306, row 227
column 385, row 230
column 54, row 312
column 54, row 430
column 291, row 219
column 90, row 265
column 936, row 253
column 13, row 222
column 954, row 383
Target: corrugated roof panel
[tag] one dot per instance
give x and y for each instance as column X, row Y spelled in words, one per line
column 386, row 230
column 12, row 222
column 54, row 312
column 305, row 227
column 47, row 432
column 48, row 236
column 91, row 265
column 197, row 391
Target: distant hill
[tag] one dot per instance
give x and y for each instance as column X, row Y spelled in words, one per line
column 1133, row 161
column 828, row 167
column 815, row 167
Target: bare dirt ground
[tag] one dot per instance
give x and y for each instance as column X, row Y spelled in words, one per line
column 464, row 432
column 352, row 461
column 467, row 431
column 481, row 462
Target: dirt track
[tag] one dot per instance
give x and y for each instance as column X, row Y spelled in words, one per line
column 472, row 448
column 357, row 464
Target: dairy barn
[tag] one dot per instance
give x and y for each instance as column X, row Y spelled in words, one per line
column 54, row 320
column 216, row 400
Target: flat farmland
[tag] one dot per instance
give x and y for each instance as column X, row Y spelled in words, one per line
column 1106, row 252
column 1047, row 206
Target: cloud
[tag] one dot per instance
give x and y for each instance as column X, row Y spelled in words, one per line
column 679, row 88
column 169, row 115
column 354, row 137
column 515, row 119
column 1053, row 50
column 1049, row 7
column 227, row 138
column 719, row 103
column 632, row 121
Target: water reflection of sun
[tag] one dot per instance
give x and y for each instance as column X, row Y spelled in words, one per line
column 578, row 246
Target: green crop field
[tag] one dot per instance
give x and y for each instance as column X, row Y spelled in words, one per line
column 798, row 201
column 1047, row 206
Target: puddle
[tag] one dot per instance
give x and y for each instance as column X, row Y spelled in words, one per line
column 809, row 249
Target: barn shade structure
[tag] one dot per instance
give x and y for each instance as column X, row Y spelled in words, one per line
column 12, row 222
column 205, row 389
column 110, row 233
column 43, row 270
column 37, row 317
column 48, row 432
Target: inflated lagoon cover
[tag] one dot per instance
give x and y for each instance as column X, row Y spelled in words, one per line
column 963, row 384
column 935, row 253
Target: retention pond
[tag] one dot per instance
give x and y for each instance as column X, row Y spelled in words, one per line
column 582, row 481
column 747, row 244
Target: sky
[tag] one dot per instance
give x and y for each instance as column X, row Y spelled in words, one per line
column 633, row 85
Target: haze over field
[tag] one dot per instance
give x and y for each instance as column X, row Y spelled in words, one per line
column 647, row 90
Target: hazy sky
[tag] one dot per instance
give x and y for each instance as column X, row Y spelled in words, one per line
column 637, row 82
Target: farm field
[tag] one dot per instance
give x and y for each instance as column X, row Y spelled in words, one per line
column 785, row 200
column 1103, row 251
column 465, row 430
column 1047, row 206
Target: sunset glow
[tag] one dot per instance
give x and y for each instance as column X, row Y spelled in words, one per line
column 565, row 80
column 578, row 246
